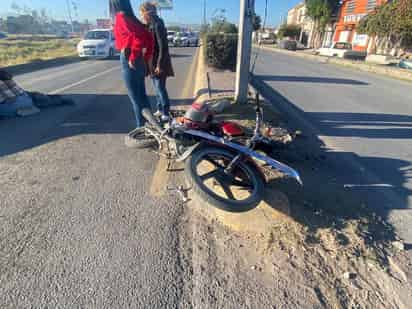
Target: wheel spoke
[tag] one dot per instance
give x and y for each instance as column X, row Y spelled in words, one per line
column 213, row 162
column 241, row 183
column 226, row 189
column 209, row 175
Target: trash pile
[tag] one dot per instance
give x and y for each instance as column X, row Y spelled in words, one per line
column 16, row 102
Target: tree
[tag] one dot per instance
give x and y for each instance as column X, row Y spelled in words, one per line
column 291, row 31
column 390, row 24
column 257, row 22
column 321, row 13
column 174, row 28
column 221, row 25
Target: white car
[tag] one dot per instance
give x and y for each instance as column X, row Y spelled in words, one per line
column 171, row 37
column 186, row 39
column 98, row 43
column 340, row 50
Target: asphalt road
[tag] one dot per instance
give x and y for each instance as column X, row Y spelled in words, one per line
column 78, row 227
column 364, row 117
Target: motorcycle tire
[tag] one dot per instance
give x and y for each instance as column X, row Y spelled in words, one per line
column 201, row 190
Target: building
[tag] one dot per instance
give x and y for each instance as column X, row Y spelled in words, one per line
column 104, row 23
column 297, row 16
column 351, row 12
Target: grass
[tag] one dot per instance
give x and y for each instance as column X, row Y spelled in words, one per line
column 23, row 49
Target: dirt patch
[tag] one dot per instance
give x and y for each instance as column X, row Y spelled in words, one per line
column 325, row 249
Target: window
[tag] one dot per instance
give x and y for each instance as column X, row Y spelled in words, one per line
column 371, row 5
column 351, row 6
column 97, row 35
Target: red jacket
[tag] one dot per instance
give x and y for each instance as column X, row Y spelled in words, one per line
column 134, row 36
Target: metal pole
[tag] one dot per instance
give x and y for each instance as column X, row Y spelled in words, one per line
column 69, row 11
column 244, row 50
column 204, row 14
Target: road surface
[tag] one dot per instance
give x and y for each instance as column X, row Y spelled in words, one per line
column 78, row 228
column 360, row 115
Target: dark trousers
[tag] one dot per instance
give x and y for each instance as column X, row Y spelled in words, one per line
column 163, row 101
column 136, row 88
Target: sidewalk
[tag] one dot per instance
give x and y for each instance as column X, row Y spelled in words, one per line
column 388, row 71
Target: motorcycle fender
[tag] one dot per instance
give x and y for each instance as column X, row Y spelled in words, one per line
column 279, row 166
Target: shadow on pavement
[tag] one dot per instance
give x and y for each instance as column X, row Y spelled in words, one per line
column 365, row 125
column 180, row 55
column 92, row 114
column 308, row 79
column 335, row 184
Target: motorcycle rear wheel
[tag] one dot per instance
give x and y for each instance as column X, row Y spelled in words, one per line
column 240, row 191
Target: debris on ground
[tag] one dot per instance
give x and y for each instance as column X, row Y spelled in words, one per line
column 326, row 250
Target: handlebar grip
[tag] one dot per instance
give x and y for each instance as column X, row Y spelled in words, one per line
column 148, row 115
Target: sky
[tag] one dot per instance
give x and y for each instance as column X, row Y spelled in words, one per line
column 185, row 11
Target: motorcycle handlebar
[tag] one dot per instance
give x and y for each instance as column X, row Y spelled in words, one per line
column 148, row 115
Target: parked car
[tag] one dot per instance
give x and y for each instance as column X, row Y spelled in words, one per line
column 171, row 37
column 341, row 50
column 98, row 43
column 3, row 35
column 266, row 38
column 288, row 44
column 186, row 39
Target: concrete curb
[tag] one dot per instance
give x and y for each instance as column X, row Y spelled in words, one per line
column 273, row 209
column 201, row 89
column 370, row 68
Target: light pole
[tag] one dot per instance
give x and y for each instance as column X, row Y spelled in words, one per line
column 69, row 11
column 247, row 9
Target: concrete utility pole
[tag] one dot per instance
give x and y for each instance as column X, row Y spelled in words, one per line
column 247, row 9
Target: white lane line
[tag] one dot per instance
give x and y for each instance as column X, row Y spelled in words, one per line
column 376, row 185
column 30, row 79
column 57, row 91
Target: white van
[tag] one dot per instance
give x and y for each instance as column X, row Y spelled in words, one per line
column 98, row 43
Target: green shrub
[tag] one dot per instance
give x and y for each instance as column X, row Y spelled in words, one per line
column 221, row 50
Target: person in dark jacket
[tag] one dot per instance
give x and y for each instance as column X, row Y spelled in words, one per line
column 162, row 63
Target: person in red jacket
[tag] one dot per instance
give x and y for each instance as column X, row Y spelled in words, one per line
column 136, row 44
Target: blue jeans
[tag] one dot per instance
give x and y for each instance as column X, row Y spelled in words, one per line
column 136, row 88
column 163, row 102
column 10, row 108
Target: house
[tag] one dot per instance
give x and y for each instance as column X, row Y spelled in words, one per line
column 351, row 12
column 297, row 16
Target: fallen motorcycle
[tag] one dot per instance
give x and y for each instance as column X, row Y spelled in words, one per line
column 221, row 162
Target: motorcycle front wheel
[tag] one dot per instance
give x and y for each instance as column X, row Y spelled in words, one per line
column 238, row 191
